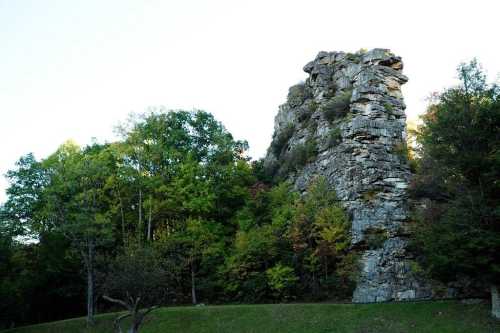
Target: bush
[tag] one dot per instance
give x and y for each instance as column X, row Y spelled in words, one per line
column 282, row 281
column 280, row 140
column 299, row 156
column 370, row 195
column 375, row 238
column 304, row 153
column 401, row 150
column 338, row 106
column 334, row 137
column 297, row 94
column 388, row 107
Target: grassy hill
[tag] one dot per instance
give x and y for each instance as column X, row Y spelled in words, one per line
column 441, row 316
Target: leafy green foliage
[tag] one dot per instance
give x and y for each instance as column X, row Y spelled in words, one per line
column 303, row 237
column 175, row 180
column 282, row 281
column 458, row 230
column 201, row 219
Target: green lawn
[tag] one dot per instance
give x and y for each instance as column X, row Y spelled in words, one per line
column 439, row 316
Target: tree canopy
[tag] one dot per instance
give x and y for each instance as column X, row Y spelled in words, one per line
column 459, row 172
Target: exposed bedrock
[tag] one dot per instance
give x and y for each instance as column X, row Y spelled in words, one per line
column 346, row 122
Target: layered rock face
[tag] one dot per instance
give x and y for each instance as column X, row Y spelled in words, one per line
column 347, row 124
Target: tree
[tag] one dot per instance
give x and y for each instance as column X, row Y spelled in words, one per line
column 319, row 233
column 21, row 211
column 136, row 281
column 459, row 171
column 283, row 236
column 159, row 145
column 75, row 203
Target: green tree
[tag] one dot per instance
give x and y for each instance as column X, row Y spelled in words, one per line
column 282, row 281
column 21, row 212
column 156, row 147
column 75, row 203
column 320, row 235
column 459, row 145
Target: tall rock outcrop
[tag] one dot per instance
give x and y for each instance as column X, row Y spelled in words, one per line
column 346, row 122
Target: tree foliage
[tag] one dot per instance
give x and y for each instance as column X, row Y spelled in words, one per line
column 205, row 223
column 459, row 172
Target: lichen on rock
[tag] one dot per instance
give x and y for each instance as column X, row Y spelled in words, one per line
column 351, row 109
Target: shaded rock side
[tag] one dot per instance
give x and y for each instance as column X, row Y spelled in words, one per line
column 346, row 122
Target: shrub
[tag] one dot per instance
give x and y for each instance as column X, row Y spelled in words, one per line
column 313, row 106
column 334, row 137
column 306, row 152
column 299, row 156
column 280, row 140
column 282, row 281
column 388, row 107
column 401, row 150
column 304, row 114
column 352, row 57
column 305, row 111
column 375, row 238
column 346, row 275
column 370, row 195
column 338, row 106
column 297, row 94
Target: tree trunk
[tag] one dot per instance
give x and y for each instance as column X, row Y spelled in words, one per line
column 90, row 283
column 122, row 216
column 140, row 215
column 495, row 302
column 134, row 326
column 149, row 218
column 193, row 287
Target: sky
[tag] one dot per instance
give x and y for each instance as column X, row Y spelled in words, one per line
column 75, row 69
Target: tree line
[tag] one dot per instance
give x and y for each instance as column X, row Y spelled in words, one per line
column 177, row 198
column 175, row 212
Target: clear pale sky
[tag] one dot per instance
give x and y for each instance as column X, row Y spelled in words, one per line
column 74, row 69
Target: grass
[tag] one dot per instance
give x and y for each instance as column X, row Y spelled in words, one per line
column 437, row 316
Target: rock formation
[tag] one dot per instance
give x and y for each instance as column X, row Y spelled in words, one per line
column 346, row 122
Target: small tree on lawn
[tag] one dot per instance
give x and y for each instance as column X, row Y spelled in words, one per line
column 136, row 281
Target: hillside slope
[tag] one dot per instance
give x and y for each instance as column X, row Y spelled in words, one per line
column 440, row 316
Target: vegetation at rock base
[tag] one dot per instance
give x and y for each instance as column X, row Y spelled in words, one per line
column 175, row 198
column 458, row 229
column 424, row 317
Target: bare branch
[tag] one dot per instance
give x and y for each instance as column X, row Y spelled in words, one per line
column 117, row 321
column 117, row 301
